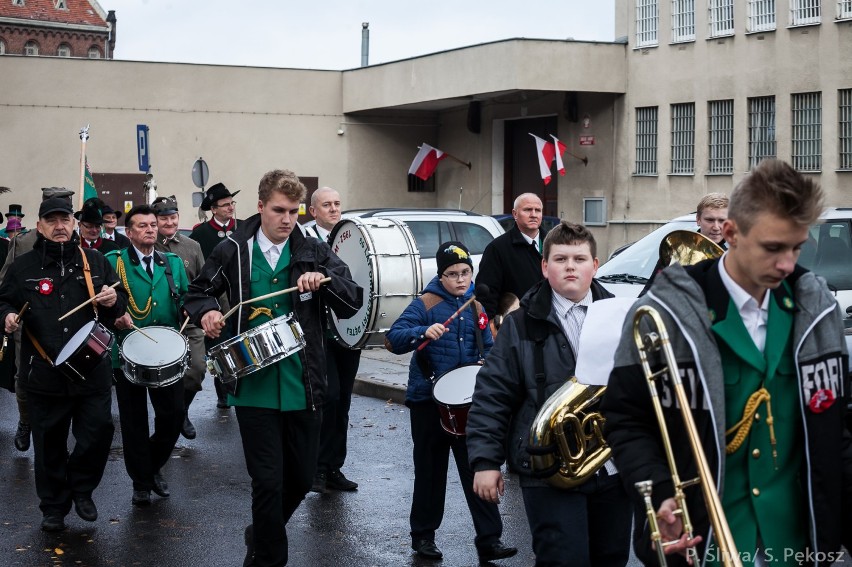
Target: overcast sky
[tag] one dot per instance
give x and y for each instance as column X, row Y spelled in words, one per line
column 326, row 34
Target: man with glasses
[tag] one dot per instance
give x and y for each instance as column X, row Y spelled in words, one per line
column 111, row 217
column 91, row 220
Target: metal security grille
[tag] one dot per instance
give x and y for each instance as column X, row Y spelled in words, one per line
column 721, row 17
column 844, row 9
column 803, row 12
column 807, row 131
column 761, row 129
column 646, row 141
column 683, row 20
column 721, row 123
column 647, row 22
column 761, row 15
column 683, row 138
column 844, row 111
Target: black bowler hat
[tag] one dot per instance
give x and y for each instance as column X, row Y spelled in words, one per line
column 216, row 193
column 107, row 210
column 15, row 211
column 91, row 212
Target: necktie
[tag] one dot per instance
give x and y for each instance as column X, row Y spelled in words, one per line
column 148, row 266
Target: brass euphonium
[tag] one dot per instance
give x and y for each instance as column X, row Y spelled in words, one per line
column 657, row 339
column 566, row 442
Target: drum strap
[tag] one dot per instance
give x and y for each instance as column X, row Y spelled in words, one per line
column 538, row 333
column 170, row 278
column 37, row 346
column 477, row 332
column 87, row 273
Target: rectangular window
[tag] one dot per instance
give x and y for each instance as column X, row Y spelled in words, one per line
column 804, row 12
column 683, row 138
column 646, row 140
column 807, row 131
column 683, row 20
column 721, row 18
column 844, row 9
column 721, row 130
column 647, row 22
column 594, row 211
column 761, row 15
column 761, row 129
column 844, row 132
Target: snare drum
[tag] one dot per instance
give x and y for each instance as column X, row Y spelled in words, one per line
column 383, row 259
column 86, row 349
column 453, row 392
column 154, row 362
column 256, row 348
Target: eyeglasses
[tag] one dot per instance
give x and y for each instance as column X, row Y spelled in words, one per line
column 464, row 274
column 225, row 205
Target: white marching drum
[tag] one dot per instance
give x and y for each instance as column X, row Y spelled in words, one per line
column 453, row 392
column 383, row 259
column 157, row 360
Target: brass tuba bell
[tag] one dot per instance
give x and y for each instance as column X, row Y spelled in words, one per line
column 687, row 247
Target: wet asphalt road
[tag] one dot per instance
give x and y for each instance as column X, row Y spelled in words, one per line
column 201, row 524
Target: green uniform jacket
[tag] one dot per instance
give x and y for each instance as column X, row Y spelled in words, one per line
column 164, row 308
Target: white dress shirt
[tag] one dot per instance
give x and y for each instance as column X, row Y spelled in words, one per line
column 755, row 317
column 270, row 251
column 533, row 240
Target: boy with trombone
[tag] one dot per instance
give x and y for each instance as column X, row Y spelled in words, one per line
column 757, row 354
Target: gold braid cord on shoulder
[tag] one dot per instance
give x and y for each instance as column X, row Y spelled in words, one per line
column 133, row 307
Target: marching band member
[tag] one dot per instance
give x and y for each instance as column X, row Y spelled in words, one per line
column 585, row 526
column 155, row 282
column 711, row 215
column 464, row 340
column 54, row 277
column 278, row 407
column 90, row 220
column 111, row 217
column 759, row 345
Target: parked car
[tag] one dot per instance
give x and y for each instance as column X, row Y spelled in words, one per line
column 507, row 221
column 828, row 253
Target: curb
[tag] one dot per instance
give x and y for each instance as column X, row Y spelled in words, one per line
column 372, row 388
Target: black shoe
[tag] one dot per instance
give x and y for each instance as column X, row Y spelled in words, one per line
column 161, row 487
column 53, row 523
column 188, row 430
column 249, row 540
column 221, row 394
column 427, row 548
column 141, row 498
column 320, row 483
column 337, row 481
column 495, row 552
column 85, row 507
column 22, row 437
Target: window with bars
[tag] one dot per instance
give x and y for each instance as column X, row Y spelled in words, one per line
column 683, row 138
column 807, row 131
column 64, row 50
column 761, row 129
column 683, row 20
column 844, row 9
column 647, row 22
column 720, row 114
column 721, row 17
column 30, row 48
column 646, row 140
column 804, row 12
column 844, row 130
column 761, row 15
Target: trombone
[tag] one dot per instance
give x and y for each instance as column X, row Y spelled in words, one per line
column 658, row 340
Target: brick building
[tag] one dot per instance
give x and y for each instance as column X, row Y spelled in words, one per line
column 59, row 28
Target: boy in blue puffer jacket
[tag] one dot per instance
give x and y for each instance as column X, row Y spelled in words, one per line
column 465, row 340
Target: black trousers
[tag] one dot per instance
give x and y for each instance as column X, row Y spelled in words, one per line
column 432, row 447
column 58, row 474
column 588, row 526
column 342, row 367
column 280, row 449
column 144, row 453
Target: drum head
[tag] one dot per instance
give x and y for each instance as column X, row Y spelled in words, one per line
column 170, row 346
column 78, row 339
column 455, row 388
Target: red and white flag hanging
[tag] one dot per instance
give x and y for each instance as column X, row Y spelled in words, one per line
column 559, row 150
column 426, row 161
column 545, row 153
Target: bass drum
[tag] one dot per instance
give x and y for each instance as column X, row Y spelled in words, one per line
column 383, row 259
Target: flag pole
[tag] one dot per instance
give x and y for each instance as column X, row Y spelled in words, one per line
column 585, row 160
column 84, row 135
column 454, row 158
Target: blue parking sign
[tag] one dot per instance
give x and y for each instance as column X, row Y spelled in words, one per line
column 142, row 147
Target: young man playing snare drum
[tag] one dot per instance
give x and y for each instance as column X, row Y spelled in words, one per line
column 449, row 344
column 278, row 406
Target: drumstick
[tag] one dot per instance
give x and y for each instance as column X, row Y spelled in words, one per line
column 182, row 327
column 448, row 321
column 143, row 333
column 267, row 296
column 21, row 312
column 85, row 303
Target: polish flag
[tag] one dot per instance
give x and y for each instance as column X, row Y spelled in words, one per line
column 426, row 161
column 545, row 152
column 560, row 149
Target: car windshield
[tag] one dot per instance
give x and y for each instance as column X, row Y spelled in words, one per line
column 639, row 259
column 828, row 252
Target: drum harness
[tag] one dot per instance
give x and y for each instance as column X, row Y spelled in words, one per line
column 430, row 300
